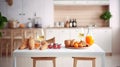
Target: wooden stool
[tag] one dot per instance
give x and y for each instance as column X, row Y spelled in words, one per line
column 44, row 58
column 84, row 58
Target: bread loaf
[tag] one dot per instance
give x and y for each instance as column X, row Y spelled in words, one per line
column 31, row 43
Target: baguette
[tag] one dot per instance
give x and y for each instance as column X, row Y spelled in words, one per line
column 44, row 46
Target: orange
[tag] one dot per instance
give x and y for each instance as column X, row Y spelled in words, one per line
column 80, row 44
column 21, row 26
column 37, row 45
column 76, row 45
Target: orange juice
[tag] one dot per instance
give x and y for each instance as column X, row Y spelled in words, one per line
column 89, row 40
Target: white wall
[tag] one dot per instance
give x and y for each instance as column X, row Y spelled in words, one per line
column 42, row 8
column 115, row 24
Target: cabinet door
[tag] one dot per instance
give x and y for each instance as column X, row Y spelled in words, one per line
column 3, row 8
column 42, row 8
column 64, row 34
column 14, row 11
column 103, row 37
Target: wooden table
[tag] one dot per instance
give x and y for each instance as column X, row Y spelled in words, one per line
column 94, row 50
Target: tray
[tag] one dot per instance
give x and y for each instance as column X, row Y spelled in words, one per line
column 77, row 48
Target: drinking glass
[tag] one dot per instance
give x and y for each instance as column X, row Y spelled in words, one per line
column 81, row 34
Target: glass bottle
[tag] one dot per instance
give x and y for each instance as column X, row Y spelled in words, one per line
column 70, row 23
column 75, row 23
column 89, row 37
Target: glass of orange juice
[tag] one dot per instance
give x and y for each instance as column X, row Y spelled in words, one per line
column 89, row 38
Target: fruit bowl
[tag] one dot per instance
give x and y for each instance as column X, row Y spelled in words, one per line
column 72, row 44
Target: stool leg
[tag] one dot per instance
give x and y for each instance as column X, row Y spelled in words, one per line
column 75, row 63
column 54, row 63
column 34, row 63
column 93, row 63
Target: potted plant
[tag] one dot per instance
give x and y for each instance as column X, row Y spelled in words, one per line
column 106, row 16
column 3, row 21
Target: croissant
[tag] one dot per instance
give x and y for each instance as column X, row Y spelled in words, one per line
column 24, row 44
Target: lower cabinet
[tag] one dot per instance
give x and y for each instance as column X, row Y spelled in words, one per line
column 102, row 36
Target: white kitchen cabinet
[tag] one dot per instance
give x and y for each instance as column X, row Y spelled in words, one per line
column 42, row 8
column 64, row 34
column 3, row 8
column 81, row 2
column 103, row 37
column 22, row 10
column 14, row 12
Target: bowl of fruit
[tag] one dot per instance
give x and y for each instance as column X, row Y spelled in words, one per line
column 75, row 44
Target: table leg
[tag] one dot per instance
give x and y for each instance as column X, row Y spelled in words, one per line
column 14, row 62
column 103, row 60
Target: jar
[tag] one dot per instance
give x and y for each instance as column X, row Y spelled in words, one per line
column 29, row 25
column 12, row 24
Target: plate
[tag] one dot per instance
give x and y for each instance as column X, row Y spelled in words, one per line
column 76, row 48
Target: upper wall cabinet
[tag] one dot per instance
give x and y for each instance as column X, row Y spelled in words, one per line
column 21, row 10
column 81, row 2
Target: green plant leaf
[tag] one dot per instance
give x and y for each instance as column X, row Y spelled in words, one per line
column 4, row 19
column 0, row 14
column 106, row 15
column 2, row 25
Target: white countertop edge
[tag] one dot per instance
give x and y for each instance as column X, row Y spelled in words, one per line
column 93, row 50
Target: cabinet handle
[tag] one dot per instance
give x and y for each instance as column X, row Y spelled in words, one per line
column 20, row 14
column 23, row 14
column 105, row 31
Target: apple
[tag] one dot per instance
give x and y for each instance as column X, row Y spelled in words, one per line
column 50, row 46
column 59, row 46
column 55, row 45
